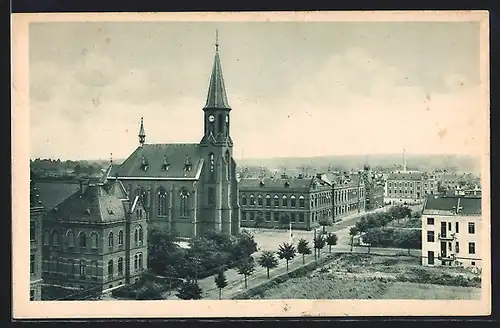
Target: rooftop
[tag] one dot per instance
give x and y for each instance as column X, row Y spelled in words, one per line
column 401, row 175
column 448, row 205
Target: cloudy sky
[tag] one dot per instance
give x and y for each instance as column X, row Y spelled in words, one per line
column 296, row 89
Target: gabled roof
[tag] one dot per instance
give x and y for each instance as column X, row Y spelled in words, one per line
column 216, row 97
column 342, row 180
column 51, row 193
column 410, row 176
column 96, row 204
column 446, row 205
column 154, row 156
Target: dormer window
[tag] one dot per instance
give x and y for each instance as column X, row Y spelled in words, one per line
column 187, row 164
column 110, row 211
column 287, row 184
column 144, row 164
column 261, row 184
column 165, row 164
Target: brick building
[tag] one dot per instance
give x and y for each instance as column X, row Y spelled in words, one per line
column 451, row 228
column 374, row 189
column 305, row 201
column 404, row 187
column 188, row 189
column 348, row 194
column 95, row 239
column 36, row 223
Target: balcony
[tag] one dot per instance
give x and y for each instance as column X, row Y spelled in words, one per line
column 446, row 236
column 449, row 257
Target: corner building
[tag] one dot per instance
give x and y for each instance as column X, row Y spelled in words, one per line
column 188, row 189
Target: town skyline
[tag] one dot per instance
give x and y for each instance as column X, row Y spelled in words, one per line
column 90, row 87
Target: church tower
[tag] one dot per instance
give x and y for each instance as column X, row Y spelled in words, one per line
column 220, row 187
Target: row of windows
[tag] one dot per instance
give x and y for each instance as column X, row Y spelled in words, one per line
column 284, row 201
column 471, row 226
column 252, row 216
column 345, row 195
column 57, row 265
column 403, row 191
column 401, row 184
column 54, row 238
column 472, row 245
column 163, row 204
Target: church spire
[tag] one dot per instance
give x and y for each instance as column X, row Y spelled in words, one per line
column 142, row 134
column 217, row 97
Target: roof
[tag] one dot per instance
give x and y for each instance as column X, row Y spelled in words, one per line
column 98, row 203
column 410, row 176
column 168, row 161
column 35, row 200
column 216, row 97
column 446, row 205
column 51, row 193
column 279, row 184
column 344, row 180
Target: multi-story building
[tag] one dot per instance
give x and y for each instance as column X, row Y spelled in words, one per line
column 429, row 184
column 348, row 194
column 269, row 202
column 95, row 239
column 36, row 223
column 404, row 187
column 451, row 226
column 189, row 189
column 374, row 189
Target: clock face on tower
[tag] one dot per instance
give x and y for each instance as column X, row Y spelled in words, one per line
column 211, row 118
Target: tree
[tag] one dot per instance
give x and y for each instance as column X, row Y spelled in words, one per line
column 304, row 249
column 353, row 232
column 189, row 290
column 245, row 246
column 331, row 240
column 284, row 220
column 324, row 222
column 286, row 251
column 368, row 239
column 268, row 260
column 221, row 282
column 246, row 268
column 319, row 243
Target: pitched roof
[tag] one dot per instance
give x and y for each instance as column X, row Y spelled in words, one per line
column 35, row 200
column 410, row 176
column 278, row 184
column 96, row 204
column 343, row 180
column 216, row 97
column 154, row 156
column 447, row 204
column 51, row 193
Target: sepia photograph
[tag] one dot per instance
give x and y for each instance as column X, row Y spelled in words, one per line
column 255, row 164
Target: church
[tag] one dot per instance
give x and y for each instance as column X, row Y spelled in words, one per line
column 188, row 189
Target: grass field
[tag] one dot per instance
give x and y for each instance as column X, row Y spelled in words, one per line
column 362, row 276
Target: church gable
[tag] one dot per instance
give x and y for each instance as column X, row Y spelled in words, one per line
column 167, row 161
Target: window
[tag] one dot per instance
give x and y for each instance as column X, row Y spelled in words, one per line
column 136, row 237
column 449, row 226
column 275, row 217
column 110, row 239
column 268, row 200
column 110, row 269
column 140, row 234
column 430, row 257
column 276, row 201
column 120, row 237
column 293, row 217
column 472, row 228
column 120, row 266
column 82, row 240
column 82, row 268
column 136, row 262
column 212, row 166
column 252, row 200
column 140, row 261
column 430, row 236
column 302, row 202
column 243, row 200
column 71, row 238
column 55, row 238
column 71, row 267
column 449, row 246
column 456, row 227
column 94, row 240
column 162, row 202
column 457, row 247
column 472, row 248
column 284, row 201
column 32, row 231
column 46, row 238
column 472, row 263
column 293, row 201
column 252, row 216
column 301, row 217
column 184, row 205
column 268, row 217
column 32, row 263
column 32, row 295
column 243, row 216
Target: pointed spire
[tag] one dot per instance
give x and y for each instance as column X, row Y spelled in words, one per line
column 111, row 159
column 217, row 97
column 142, row 134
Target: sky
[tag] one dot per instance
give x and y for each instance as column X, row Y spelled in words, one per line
column 295, row 88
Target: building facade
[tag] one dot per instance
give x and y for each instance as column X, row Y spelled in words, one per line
column 349, row 196
column 95, row 240
column 374, row 189
column 273, row 203
column 188, row 189
column 404, row 187
column 36, row 223
column 451, row 229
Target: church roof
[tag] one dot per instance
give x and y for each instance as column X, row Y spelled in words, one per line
column 162, row 161
column 217, row 97
column 96, row 203
column 51, row 193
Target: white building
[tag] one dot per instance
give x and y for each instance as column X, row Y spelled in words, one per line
column 451, row 227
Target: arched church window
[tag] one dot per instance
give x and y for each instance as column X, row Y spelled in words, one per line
column 184, row 203
column 284, row 201
column 252, row 200
column 276, row 201
column 243, row 199
column 162, row 202
column 302, row 202
column 293, row 201
column 268, row 200
column 259, row 200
